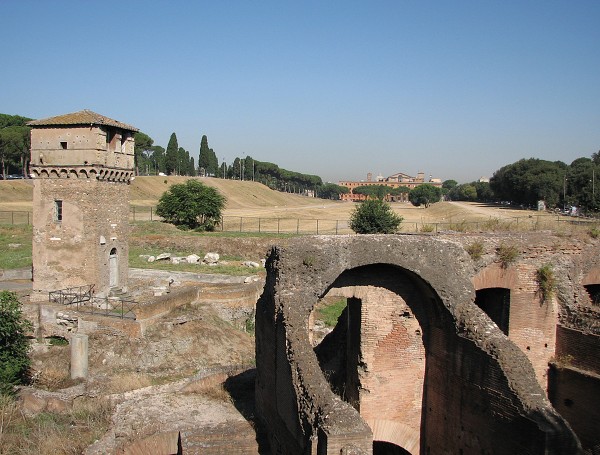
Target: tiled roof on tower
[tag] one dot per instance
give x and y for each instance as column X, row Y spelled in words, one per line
column 85, row 117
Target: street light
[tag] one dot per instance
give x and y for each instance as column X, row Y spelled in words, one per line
column 565, row 194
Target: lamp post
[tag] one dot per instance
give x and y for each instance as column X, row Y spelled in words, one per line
column 565, row 194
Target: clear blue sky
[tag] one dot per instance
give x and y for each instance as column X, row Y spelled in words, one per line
column 455, row 89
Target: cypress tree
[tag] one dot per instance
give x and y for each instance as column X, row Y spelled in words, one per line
column 172, row 155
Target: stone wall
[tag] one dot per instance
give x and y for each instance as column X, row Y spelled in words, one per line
column 75, row 251
column 425, row 368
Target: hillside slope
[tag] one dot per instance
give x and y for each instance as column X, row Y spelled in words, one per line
column 146, row 191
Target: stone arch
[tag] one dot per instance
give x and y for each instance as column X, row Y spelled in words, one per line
column 63, row 174
column 43, row 173
column 73, row 174
column 473, row 373
column 378, row 361
column 83, row 174
column 54, row 174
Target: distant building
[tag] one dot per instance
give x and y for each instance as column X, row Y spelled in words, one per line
column 394, row 181
column 81, row 165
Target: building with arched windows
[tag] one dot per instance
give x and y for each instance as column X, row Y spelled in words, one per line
column 398, row 180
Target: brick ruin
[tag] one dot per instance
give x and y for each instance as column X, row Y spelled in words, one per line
column 435, row 352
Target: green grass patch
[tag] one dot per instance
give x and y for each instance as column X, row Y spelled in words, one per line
column 145, row 228
column 233, row 268
column 330, row 312
column 15, row 245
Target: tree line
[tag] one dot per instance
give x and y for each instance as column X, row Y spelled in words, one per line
column 15, row 144
column 527, row 181
column 524, row 182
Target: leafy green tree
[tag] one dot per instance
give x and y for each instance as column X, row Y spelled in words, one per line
column 373, row 191
column 191, row 205
column 449, row 184
column 530, row 180
column 14, row 347
column 143, row 150
column 331, row 191
column 15, row 144
column 374, row 216
column 172, row 155
column 158, row 159
column 424, row 194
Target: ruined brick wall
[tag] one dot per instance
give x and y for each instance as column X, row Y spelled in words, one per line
column 479, row 392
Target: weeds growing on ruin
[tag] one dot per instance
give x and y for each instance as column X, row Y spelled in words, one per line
column 507, row 254
column 475, row 250
column 546, row 280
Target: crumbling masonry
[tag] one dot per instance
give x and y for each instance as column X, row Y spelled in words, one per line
column 435, row 353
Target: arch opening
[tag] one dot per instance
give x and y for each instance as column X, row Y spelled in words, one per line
column 495, row 302
column 375, row 356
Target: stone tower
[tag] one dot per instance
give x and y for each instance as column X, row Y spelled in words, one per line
column 81, row 165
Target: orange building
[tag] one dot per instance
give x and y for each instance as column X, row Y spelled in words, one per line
column 394, row 181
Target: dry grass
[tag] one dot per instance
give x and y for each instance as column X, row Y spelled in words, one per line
column 52, row 369
column 128, row 381
column 49, row 433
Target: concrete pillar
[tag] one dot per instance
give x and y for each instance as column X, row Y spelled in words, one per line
column 79, row 356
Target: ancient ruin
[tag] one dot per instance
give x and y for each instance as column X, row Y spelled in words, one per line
column 81, row 164
column 436, row 352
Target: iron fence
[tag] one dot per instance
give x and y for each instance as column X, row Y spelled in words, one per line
column 82, row 299
column 328, row 226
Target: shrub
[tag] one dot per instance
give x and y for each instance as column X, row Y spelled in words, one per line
column 475, row 250
column 14, row 346
column 191, row 205
column 427, row 228
column 546, row 282
column 507, row 254
column 374, row 216
column 594, row 232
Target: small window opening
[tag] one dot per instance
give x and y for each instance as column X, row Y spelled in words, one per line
column 63, row 144
column 58, row 210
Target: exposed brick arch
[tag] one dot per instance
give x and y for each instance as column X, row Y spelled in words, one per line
column 591, row 277
column 495, row 276
column 477, row 387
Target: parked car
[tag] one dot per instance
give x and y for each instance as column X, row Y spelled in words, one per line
column 14, row 177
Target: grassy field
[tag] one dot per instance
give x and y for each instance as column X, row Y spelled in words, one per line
column 251, row 203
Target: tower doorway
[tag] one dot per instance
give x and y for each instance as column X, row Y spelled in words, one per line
column 113, row 268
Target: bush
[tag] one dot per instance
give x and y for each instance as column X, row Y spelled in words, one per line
column 507, row 254
column 546, row 282
column 424, row 194
column 475, row 250
column 191, row 205
column 14, row 346
column 374, row 216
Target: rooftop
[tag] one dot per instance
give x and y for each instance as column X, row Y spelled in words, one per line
column 85, row 117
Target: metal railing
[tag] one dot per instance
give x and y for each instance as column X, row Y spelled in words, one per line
column 71, row 296
column 114, row 307
column 82, row 299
